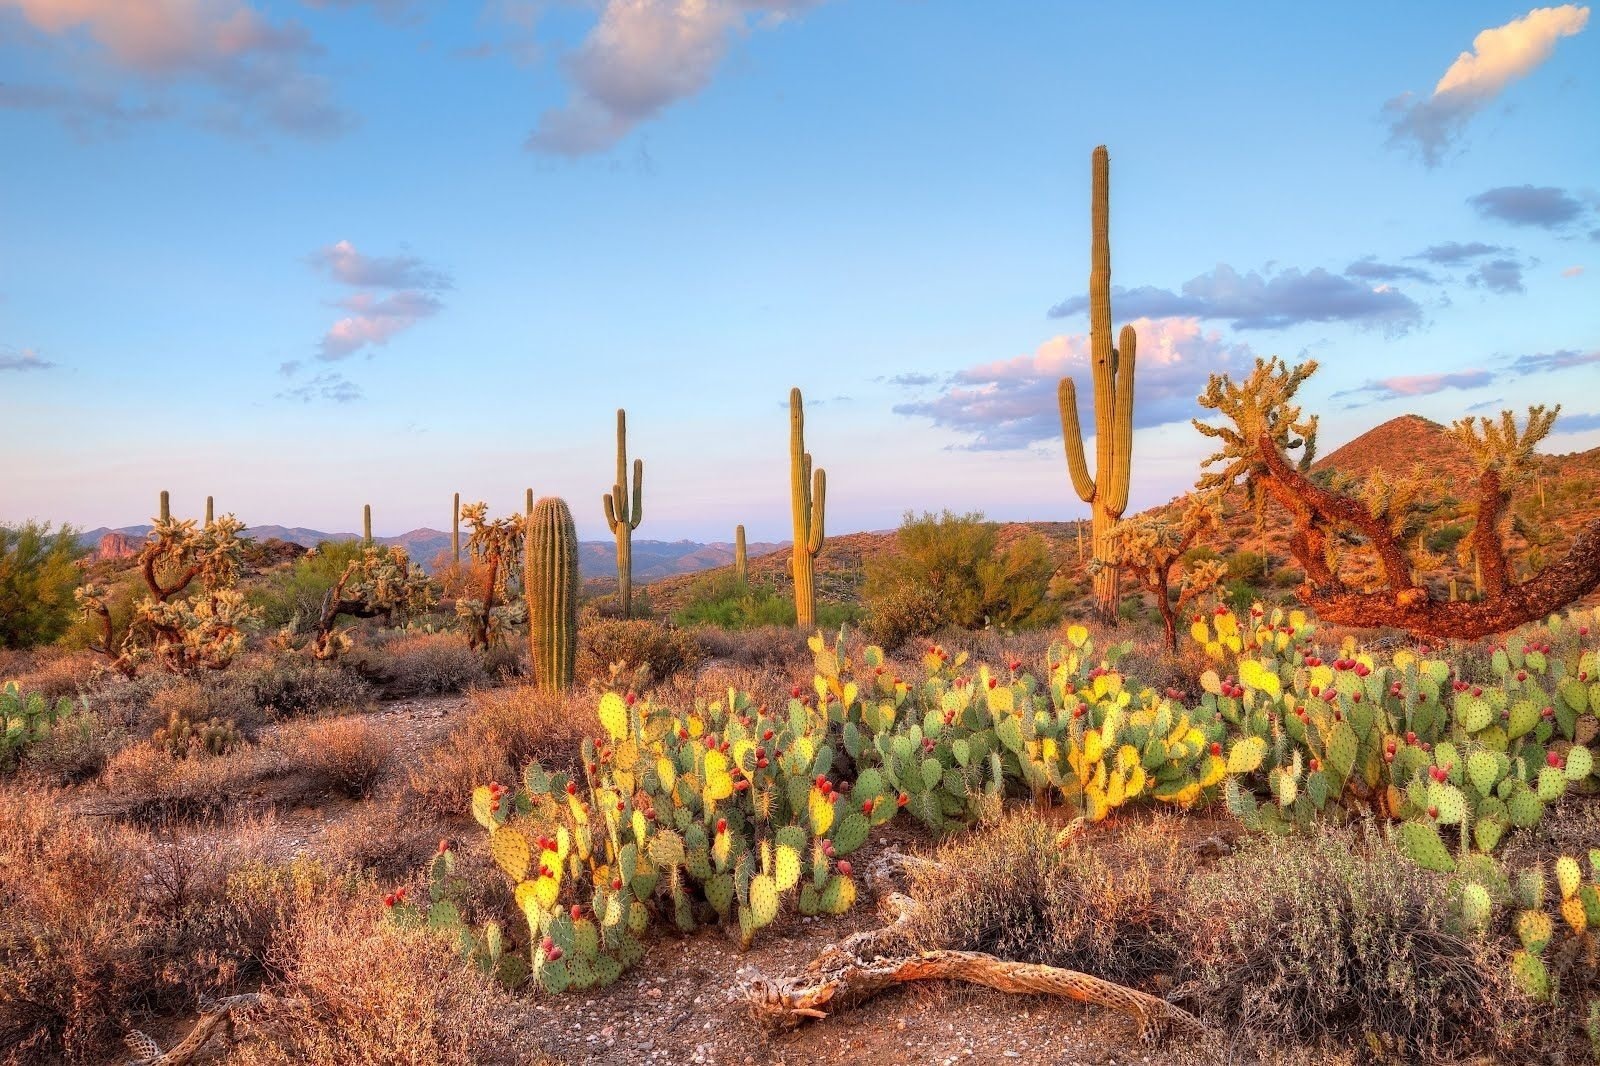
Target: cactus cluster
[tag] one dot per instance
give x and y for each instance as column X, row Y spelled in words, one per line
column 715, row 815
column 1457, row 764
column 25, row 719
column 1555, row 930
column 181, row 737
column 442, row 915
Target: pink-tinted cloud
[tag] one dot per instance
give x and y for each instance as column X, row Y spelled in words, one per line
column 344, row 263
column 1499, row 56
column 256, row 67
column 1411, row 385
column 641, row 57
column 1011, row 403
column 375, row 320
column 23, row 359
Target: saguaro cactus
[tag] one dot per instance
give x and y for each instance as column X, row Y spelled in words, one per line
column 623, row 517
column 455, row 529
column 741, row 564
column 527, row 506
column 210, row 513
column 1106, row 492
column 366, row 523
column 551, row 573
column 808, row 492
column 166, row 506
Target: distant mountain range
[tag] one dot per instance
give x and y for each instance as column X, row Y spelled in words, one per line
column 597, row 559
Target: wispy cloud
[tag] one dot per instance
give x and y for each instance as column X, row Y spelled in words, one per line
column 1578, row 423
column 1266, row 300
column 1368, row 268
column 1454, row 253
column 329, row 386
column 1011, row 404
column 641, row 57
column 1411, row 385
column 1544, row 206
column 256, row 70
column 1564, row 359
column 913, row 380
column 403, row 293
column 1499, row 56
column 1498, row 275
column 1572, row 272
column 344, row 263
column 21, row 359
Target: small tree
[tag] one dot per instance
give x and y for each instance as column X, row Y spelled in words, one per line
column 38, row 571
column 183, row 630
column 1153, row 545
column 496, row 548
column 1385, row 517
column 382, row 583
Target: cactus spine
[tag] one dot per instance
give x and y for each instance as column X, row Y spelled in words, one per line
column 623, row 517
column 455, row 529
column 166, row 506
column 1106, row 492
column 741, row 563
column 551, row 575
column 210, row 513
column 808, row 492
column 366, row 524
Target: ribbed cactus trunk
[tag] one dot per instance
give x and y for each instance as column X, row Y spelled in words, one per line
column 455, row 529
column 550, row 574
column 166, row 506
column 527, row 506
column 741, row 563
column 808, row 492
column 366, row 524
column 210, row 512
column 622, row 516
column 1106, row 492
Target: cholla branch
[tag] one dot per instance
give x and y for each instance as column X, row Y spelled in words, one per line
column 1153, row 545
column 496, row 546
column 1386, row 516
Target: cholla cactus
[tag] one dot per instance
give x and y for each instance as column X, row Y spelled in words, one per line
column 496, row 546
column 1385, row 518
column 1151, row 546
column 383, row 582
column 183, row 633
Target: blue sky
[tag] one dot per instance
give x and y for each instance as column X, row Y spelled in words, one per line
column 305, row 255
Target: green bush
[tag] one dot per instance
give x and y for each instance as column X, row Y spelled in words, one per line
column 1443, row 540
column 38, row 571
column 976, row 581
column 1247, row 566
column 295, row 595
column 903, row 614
column 724, row 601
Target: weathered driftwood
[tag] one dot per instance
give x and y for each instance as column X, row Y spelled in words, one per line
column 851, row 972
column 215, row 1016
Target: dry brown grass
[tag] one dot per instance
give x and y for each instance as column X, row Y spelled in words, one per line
column 648, row 652
column 355, row 989
column 144, row 783
column 384, row 836
column 49, row 672
column 504, row 729
column 424, row 664
column 349, row 755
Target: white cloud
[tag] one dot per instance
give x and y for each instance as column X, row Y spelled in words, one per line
column 1499, row 56
column 641, row 57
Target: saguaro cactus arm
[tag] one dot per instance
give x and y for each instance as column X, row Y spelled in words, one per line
column 619, row 510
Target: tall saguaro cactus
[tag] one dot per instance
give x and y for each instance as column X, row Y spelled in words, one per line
column 624, row 517
column 550, row 569
column 210, row 513
column 527, row 506
column 1106, row 492
column 741, row 563
column 808, row 492
column 366, row 524
column 166, row 506
column 455, row 529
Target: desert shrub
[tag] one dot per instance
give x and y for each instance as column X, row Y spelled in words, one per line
column 52, row 673
column 504, row 730
column 782, row 647
column 651, row 651
column 144, row 783
column 1287, row 578
column 425, row 664
column 1443, row 540
column 1247, row 567
column 1110, row 907
column 383, row 837
column 288, row 686
column 355, row 988
column 1326, row 937
column 348, row 755
column 977, row 582
column 38, row 572
column 902, row 614
column 100, row 924
column 75, row 749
